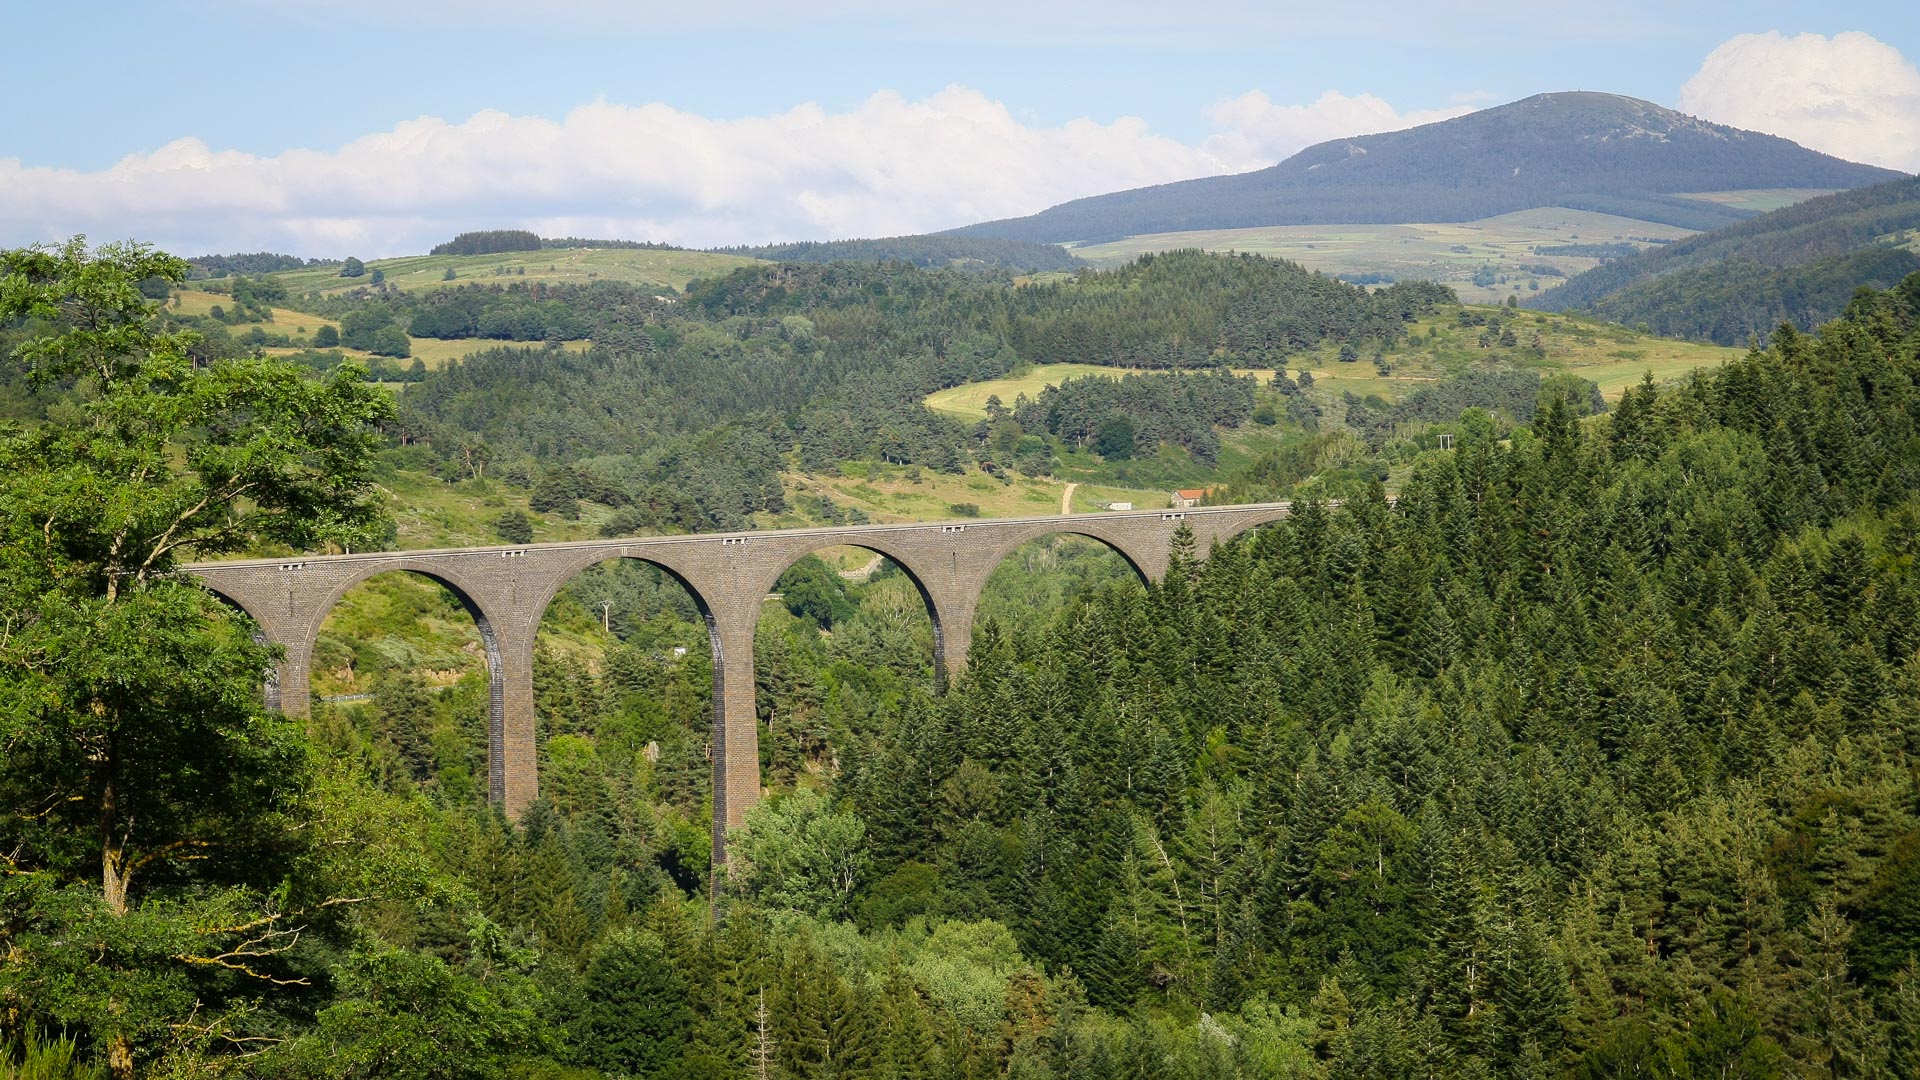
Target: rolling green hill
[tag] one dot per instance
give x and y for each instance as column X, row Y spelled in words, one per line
column 1522, row 253
column 665, row 268
column 958, row 252
column 1798, row 264
column 1588, row 151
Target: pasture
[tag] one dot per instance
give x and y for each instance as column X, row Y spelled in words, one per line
column 1758, row 200
column 667, row 270
column 1448, row 252
column 1613, row 357
column 435, row 353
column 969, row 400
column 901, row 493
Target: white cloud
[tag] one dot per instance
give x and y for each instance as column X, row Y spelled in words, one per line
column 1258, row 132
column 885, row 167
column 1850, row 95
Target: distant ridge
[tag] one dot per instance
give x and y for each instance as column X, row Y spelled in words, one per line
column 982, row 253
column 1798, row 264
column 1587, row 151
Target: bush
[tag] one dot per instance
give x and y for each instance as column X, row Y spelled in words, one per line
column 326, row 337
column 556, row 492
column 964, row 509
column 1114, row 441
column 811, row 590
column 514, row 527
column 635, row 1014
column 390, row 341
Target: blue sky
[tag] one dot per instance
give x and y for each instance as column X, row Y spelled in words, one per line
column 1074, row 97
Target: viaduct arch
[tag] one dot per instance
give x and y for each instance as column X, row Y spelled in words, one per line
column 507, row 591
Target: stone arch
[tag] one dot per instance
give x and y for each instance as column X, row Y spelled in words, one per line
column 587, row 561
column 939, row 607
column 573, row 569
column 1138, row 562
column 489, row 639
column 231, row 598
column 270, row 679
column 1129, row 549
column 1218, row 528
column 732, row 655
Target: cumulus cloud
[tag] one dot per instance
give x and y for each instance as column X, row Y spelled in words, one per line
column 1850, row 95
column 1256, row 132
column 885, row 167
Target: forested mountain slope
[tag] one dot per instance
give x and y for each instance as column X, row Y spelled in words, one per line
column 1587, row 151
column 1720, row 283
column 1733, row 301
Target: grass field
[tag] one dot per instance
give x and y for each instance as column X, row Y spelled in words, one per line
column 1446, row 252
column 969, row 401
column 416, row 273
column 285, row 321
column 1613, row 356
column 1758, row 200
column 431, row 513
column 434, row 352
column 888, row 493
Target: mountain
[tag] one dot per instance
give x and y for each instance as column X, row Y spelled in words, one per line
column 1797, row 264
column 1587, row 151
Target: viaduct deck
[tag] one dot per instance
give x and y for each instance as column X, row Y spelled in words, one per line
column 507, row 590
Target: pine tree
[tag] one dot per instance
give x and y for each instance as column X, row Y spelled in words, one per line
column 1835, row 1030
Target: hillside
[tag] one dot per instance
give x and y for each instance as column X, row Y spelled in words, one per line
column 1484, row 261
column 983, row 253
column 1587, row 151
column 660, row 267
column 1721, row 285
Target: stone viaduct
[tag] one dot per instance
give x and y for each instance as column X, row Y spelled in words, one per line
column 507, row 590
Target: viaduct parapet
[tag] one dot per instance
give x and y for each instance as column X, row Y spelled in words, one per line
column 507, row 590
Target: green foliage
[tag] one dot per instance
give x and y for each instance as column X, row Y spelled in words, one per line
column 258, row 263
column 634, row 1017
column 1733, row 300
column 798, row 854
column 514, row 527
column 811, row 590
column 402, row 1014
column 1116, row 417
column 1588, row 755
column 489, row 242
column 129, row 710
column 372, row 329
column 33, row 1057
